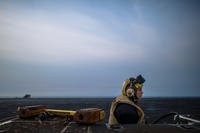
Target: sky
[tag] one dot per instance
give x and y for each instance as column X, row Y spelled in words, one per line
column 87, row 48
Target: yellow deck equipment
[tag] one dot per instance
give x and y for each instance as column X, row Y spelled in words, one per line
column 82, row 116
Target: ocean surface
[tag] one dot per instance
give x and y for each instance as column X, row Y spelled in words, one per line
column 153, row 107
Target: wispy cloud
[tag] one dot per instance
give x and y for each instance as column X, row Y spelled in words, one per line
column 74, row 36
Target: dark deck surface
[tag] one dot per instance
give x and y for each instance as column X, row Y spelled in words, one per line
column 153, row 108
column 61, row 126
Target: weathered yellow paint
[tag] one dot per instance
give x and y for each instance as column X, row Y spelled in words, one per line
column 102, row 114
column 63, row 113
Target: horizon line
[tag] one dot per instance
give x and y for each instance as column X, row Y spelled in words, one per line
column 34, row 97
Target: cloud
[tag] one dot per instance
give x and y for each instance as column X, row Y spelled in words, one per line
column 40, row 38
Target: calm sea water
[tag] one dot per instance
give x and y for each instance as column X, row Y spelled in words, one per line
column 153, row 107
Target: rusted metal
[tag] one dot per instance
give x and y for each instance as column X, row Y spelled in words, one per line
column 30, row 111
column 89, row 115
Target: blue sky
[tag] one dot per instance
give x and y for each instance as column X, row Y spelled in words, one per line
column 88, row 48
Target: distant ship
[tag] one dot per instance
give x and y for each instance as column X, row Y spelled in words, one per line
column 27, row 96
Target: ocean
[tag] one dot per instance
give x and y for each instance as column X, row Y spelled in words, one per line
column 153, row 107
